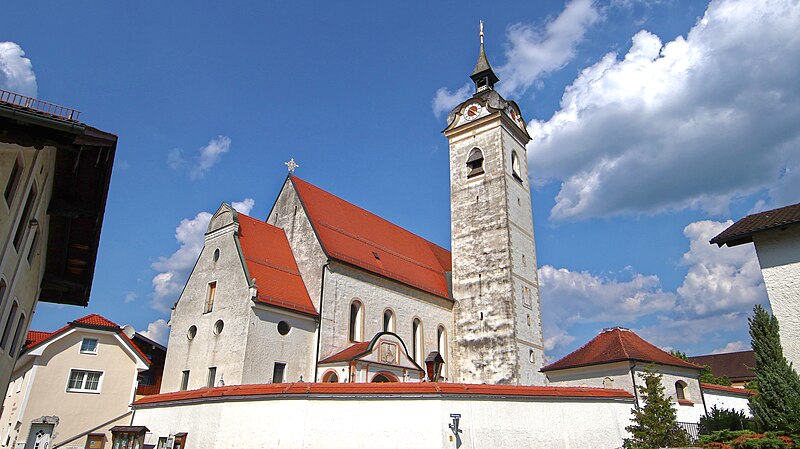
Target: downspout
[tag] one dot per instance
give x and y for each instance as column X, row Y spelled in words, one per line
column 319, row 327
column 702, row 396
column 635, row 391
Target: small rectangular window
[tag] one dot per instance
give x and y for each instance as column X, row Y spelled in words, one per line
column 278, row 372
column 89, row 346
column 185, row 380
column 212, row 290
column 212, row 376
column 84, row 381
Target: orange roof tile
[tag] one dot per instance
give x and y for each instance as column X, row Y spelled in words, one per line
column 615, row 345
column 270, row 261
column 351, row 234
column 348, row 353
column 95, row 320
column 415, row 389
column 741, row 391
column 36, row 337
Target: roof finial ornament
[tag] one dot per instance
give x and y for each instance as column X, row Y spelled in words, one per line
column 483, row 75
column 292, row 165
column 481, row 32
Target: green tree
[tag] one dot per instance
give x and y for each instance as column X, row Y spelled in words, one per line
column 777, row 404
column 654, row 424
column 706, row 376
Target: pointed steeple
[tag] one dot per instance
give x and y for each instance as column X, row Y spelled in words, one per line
column 483, row 75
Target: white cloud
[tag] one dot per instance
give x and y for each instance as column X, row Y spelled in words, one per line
column 734, row 346
column 174, row 269
column 693, row 123
column 158, row 331
column 130, row 297
column 444, row 100
column 16, row 71
column 532, row 54
column 206, row 157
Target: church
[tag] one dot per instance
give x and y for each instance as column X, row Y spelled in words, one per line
column 325, row 291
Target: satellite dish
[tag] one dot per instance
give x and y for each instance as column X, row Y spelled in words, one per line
column 128, row 330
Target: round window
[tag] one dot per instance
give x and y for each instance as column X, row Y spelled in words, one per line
column 284, row 328
column 191, row 332
column 216, row 254
column 218, row 326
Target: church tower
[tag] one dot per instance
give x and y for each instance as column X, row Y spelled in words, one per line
column 497, row 317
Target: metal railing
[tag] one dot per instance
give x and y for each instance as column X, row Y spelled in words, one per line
column 692, row 429
column 39, row 105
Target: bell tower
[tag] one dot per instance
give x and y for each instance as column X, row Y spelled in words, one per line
column 497, row 332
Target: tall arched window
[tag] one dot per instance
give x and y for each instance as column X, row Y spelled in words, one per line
column 17, row 334
column 416, row 343
column 441, row 345
column 356, row 332
column 474, row 163
column 13, row 181
column 388, row 320
column 25, row 219
column 2, row 294
column 515, row 170
column 9, row 323
column 680, row 390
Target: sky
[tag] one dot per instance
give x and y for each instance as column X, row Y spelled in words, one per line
column 655, row 124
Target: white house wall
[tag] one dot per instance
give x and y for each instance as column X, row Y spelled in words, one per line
column 374, row 423
column 779, row 255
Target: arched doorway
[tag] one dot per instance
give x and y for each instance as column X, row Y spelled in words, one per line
column 384, row 377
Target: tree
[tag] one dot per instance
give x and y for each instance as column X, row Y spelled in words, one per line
column 706, row 376
column 654, row 424
column 777, row 404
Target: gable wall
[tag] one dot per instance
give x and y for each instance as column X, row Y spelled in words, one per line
column 225, row 351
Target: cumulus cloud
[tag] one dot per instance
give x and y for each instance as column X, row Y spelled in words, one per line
column 444, row 100
column 693, row 123
column 734, row 346
column 532, row 54
column 173, row 270
column 717, row 294
column 158, row 331
column 203, row 161
column 16, row 71
column 130, row 297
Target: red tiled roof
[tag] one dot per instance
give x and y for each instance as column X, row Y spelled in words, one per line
column 736, row 366
column 742, row 391
column 95, row 320
column 742, row 231
column 36, row 337
column 270, row 261
column 348, row 353
column 415, row 389
column 615, row 345
column 351, row 234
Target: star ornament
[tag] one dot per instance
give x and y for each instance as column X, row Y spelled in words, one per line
column 292, row 165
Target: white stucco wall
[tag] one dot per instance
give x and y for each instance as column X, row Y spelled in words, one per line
column 375, row 423
column 779, row 255
column 725, row 400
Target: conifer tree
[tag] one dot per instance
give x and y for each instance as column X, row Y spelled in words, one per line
column 654, row 424
column 777, row 404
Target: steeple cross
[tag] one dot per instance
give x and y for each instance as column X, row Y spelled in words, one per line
column 292, row 165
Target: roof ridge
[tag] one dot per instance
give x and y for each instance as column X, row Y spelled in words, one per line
column 622, row 343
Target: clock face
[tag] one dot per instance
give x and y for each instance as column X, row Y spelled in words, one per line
column 472, row 112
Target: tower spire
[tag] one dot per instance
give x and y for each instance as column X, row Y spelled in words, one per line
column 483, row 75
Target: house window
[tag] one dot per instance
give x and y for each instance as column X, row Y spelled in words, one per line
column 388, row 321
column 441, row 343
column 185, row 379
column 9, row 323
column 356, row 321
column 17, row 335
column 330, row 377
column 190, row 334
column 416, row 332
column 3, row 286
column 284, row 328
column 212, row 290
column 216, row 254
column 218, row 326
column 475, row 163
column 515, row 170
column 13, row 182
column 680, row 390
column 32, row 249
column 278, row 372
column 89, row 346
column 212, row 376
column 25, row 218
column 84, row 381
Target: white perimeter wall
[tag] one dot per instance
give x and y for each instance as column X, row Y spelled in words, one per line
column 723, row 400
column 391, row 423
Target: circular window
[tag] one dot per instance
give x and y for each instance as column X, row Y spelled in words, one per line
column 216, row 254
column 191, row 332
column 284, row 328
column 218, row 326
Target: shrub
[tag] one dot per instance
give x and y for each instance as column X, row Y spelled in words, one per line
column 723, row 419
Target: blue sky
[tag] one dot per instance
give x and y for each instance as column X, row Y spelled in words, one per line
column 654, row 123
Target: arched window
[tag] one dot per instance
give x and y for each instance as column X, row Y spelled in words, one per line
column 356, row 330
column 9, row 323
column 388, row 320
column 416, row 343
column 2, row 294
column 608, row 382
column 17, row 334
column 474, row 163
column 330, row 377
column 680, row 390
column 13, row 181
column 384, row 377
column 25, row 219
column 515, row 170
